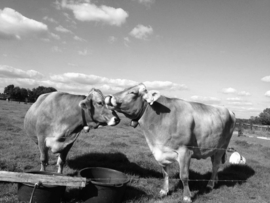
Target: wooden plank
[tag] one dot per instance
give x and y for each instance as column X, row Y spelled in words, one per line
column 44, row 179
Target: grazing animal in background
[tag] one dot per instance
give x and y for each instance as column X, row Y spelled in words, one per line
column 177, row 130
column 237, row 159
column 56, row 119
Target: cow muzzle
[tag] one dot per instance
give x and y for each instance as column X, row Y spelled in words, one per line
column 113, row 121
column 110, row 102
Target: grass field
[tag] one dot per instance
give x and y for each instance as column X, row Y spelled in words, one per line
column 124, row 148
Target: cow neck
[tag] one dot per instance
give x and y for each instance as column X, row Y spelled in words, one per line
column 145, row 104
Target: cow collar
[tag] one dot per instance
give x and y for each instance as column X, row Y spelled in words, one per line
column 85, row 126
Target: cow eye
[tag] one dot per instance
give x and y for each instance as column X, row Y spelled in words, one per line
column 100, row 103
column 133, row 93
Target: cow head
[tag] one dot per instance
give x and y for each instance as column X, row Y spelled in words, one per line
column 94, row 105
column 132, row 101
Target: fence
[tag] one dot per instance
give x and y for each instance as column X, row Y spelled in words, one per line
column 250, row 126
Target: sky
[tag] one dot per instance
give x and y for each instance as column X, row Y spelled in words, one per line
column 210, row 51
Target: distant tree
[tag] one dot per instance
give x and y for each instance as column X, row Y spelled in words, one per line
column 265, row 116
column 255, row 120
column 9, row 90
column 17, row 93
column 22, row 94
column 31, row 97
column 42, row 90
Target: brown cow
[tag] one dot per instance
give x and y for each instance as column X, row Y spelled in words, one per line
column 177, row 130
column 56, row 119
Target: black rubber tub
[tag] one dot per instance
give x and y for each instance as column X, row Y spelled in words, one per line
column 41, row 193
column 104, row 185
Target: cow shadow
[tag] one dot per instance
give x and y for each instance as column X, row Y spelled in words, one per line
column 229, row 176
column 160, row 108
column 116, row 161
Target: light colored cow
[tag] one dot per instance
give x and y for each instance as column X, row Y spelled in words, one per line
column 177, row 130
column 56, row 119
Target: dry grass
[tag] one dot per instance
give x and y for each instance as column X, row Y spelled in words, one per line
column 124, row 148
column 257, row 133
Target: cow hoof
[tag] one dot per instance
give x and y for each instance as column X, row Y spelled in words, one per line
column 187, row 199
column 208, row 189
column 162, row 193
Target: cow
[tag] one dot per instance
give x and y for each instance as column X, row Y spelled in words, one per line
column 177, row 130
column 56, row 119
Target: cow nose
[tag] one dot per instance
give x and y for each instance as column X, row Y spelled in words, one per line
column 116, row 120
column 108, row 100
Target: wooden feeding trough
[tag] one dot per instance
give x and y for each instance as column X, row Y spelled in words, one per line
column 41, row 187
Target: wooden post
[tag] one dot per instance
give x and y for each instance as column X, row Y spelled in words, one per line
column 59, row 180
column 240, row 129
column 251, row 125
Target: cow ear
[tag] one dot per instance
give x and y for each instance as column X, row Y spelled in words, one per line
column 151, row 96
column 83, row 104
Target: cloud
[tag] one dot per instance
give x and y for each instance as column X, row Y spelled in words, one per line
column 56, row 49
column 113, row 84
column 60, row 28
column 246, row 109
column 229, row 90
column 267, row 94
column 244, row 93
column 49, row 19
column 69, row 19
column 72, row 64
column 146, row 2
column 75, row 82
column 240, row 103
column 164, row 85
column 79, row 39
column 15, row 25
column 83, row 52
column 234, row 99
column 55, row 36
column 207, row 100
column 10, row 72
column 90, row 79
column 87, row 11
column 57, row 5
column 266, row 79
column 126, row 41
column 112, row 39
column 141, row 32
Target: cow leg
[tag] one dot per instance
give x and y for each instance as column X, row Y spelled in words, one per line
column 165, row 189
column 216, row 161
column 164, row 159
column 44, row 157
column 62, row 158
column 184, row 162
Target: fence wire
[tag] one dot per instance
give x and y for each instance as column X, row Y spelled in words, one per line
column 108, row 180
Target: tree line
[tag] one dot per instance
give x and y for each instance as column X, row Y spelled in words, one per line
column 262, row 119
column 17, row 93
column 22, row 94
